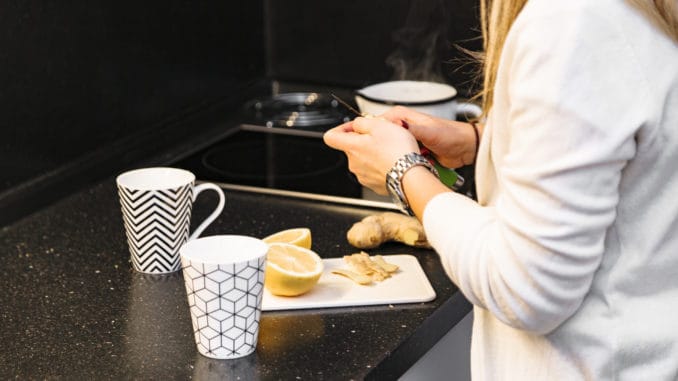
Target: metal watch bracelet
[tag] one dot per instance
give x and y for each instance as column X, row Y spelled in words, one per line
column 394, row 178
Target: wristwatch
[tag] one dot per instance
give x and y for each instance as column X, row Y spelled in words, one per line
column 394, row 178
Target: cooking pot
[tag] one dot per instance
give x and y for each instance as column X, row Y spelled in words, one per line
column 436, row 99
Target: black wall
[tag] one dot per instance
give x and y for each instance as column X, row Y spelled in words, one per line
column 356, row 42
column 77, row 76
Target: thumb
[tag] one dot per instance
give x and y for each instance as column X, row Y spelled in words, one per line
column 422, row 132
column 418, row 123
column 362, row 125
column 340, row 137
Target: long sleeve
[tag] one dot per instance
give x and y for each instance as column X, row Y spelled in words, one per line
column 559, row 146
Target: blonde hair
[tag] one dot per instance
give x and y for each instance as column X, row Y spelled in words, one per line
column 497, row 16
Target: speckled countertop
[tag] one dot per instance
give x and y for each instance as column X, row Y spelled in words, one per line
column 72, row 308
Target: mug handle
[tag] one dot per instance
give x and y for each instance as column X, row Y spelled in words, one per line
column 220, row 207
column 468, row 108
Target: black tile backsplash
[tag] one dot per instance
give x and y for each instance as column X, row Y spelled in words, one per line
column 75, row 76
column 356, row 42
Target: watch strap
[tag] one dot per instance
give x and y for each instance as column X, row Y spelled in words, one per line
column 394, row 178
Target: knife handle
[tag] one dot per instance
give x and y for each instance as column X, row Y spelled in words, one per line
column 448, row 176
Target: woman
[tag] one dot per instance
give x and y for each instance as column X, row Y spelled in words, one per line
column 570, row 255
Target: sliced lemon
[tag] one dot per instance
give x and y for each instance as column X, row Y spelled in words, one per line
column 291, row 270
column 296, row 236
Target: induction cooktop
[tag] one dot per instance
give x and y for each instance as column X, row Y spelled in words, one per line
column 278, row 149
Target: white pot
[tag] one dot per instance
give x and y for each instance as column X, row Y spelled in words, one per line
column 437, row 99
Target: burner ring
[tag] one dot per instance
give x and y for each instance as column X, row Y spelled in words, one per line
column 314, row 111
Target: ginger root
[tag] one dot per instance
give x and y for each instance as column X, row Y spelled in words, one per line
column 376, row 229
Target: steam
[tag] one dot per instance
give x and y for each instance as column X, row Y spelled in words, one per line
column 421, row 43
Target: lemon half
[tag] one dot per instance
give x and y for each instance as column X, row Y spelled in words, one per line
column 291, row 270
column 296, row 236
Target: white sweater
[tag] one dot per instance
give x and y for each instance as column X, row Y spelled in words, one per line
column 571, row 255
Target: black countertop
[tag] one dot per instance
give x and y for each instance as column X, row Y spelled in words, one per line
column 72, row 307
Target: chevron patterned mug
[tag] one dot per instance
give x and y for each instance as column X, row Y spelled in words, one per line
column 156, row 208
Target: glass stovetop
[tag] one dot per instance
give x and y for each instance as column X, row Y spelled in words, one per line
column 280, row 161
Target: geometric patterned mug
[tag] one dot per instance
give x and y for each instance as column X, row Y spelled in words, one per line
column 156, row 208
column 224, row 278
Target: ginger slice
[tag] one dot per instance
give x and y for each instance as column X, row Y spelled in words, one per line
column 364, row 269
column 357, row 266
column 363, row 265
column 354, row 276
column 389, row 267
column 378, row 273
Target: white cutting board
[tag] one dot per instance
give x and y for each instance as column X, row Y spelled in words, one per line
column 408, row 285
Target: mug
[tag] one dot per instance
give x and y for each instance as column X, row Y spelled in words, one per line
column 433, row 98
column 224, row 278
column 156, row 208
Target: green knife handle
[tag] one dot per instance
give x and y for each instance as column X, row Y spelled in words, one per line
column 448, row 176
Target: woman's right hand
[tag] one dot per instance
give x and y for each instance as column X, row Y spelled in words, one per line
column 452, row 143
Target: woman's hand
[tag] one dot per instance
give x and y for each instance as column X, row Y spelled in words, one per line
column 372, row 146
column 452, row 143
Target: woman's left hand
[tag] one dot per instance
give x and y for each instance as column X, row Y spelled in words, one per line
column 372, row 146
